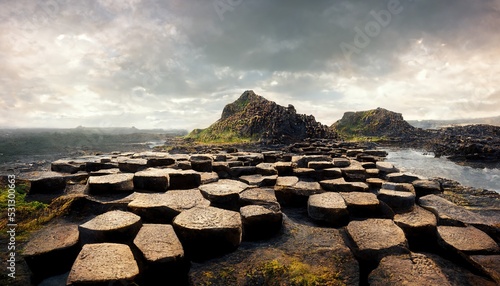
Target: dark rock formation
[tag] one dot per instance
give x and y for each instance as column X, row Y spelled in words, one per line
column 254, row 118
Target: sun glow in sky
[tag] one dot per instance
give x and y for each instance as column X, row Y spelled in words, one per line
column 175, row 64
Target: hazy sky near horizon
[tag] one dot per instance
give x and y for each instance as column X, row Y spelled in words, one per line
column 177, row 63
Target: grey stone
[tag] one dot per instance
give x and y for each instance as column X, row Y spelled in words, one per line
column 341, row 162
column 162, row 208
column 115, row 183
column 183, row 179
column 207, row 178
column 206, row 232
column 386, row 167
column 260, row 196
column 224, row 193
column 376, row 238
column 103, row 263
column 67, row 166
column 328, row 207
column 243, row 171
column 152, row 179
column 112, row 226
column 201, row 165
column 340, row 185
column 259, row 180
column 43, row 182
column 132, row 165
column 284, row 168
column 266, row 169
column 399, row 201
column 260, row 222
column 355, row 172
column 361, row 204
column 159, row 244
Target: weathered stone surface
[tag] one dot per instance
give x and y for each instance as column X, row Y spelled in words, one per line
column 361, row 204
column 67, row 166
column 57, row 245
column 260, row 196
column 160, row 160
column 372, row 173
column 466, row 240
column 341, row 162
column 284, row 168
column 354, row 172
column 132, row 165
column 183, row 179
column 103, row 263
column 413, row 269
column 159, row 244
column 426, row 187
column 318, row 165
column 303, row 161
column 419, row 225
column 209, row 177
column 376, row 238
column 152, row 179
column 370, row 166
column 243, row 171
column 266, row 169
column 260, row 222
column 401, row 178
column 488, row 264
column 162, row 208
column 400, row 187
column 399, row 201
column 224, row 193
column 222, row 169
column 340, row 185
column 207, row 231
column 201, row 165
column 104, row 172
column 375, row 183
column 304, row 172
column 43, row 182
column 332, row 173
column 259, row 180
column 112, row 226
column 328, row 207
column 115, row 183
column 386, row 167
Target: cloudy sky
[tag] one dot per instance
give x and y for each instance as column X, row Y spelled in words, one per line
column 176, row 63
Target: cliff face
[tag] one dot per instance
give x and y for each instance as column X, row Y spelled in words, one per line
column 376, row 122
column 254, row 118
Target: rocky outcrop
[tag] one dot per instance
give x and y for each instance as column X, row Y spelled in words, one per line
column 254, row 118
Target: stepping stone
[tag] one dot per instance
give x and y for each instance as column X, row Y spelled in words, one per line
column 260, row 222
column 328, row 207
column 341, row 162
column 116, row 183
column 207, row 232
column 401, row 178
column 400, row 202
column 183, row 179
column 294, row 192
column 355, row 172
column 386, row 167
column 67, row 166
column 332, row 173
column 159, row 244
column 224, row 193
column 132, row 165
column 450, row 214
column 376, row 238
column 369, row 166
column 426, row 187
column 207, row 178
column 162, row 208
column 305, row 172
column 259, row 180
column 340, row 185
column 104, row 263
column 44, row 182
column 284, row 168
column 152, row 179
column 222, row 169
column 354, row 152
column 104, row 172
column 183, row 165
column 488, row 264
column 112, row 226
column 375, row 183
column 201, row 165
column 413, row 269
column 319, row 165
column 361, row 204
column 377, row 153
column 303, row 161
column 160, row 161
column 400, row 187
column 96, row 165
column 419, row 225
column 260, row 196
column 466, row 240
column 57, row 245
column 372, row 173
column 243, row 171
column 266, row 169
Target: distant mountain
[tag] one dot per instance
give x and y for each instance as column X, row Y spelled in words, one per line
column 253, row 118
column 436, row 124
column 378, row 122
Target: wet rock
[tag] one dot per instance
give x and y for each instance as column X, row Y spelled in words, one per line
column 340, row 185
column 57, row 245
column 361, row 204
column 183, row 179
column 401, row 178
column 152, row 179
column 413, row 269
column 116, row 183
column 426, row 187
column 259, row 180
column 400, row 202
column 466, row 240
column 159, row 244
column 266, row 169
column 419, row 226
column 162, row 208
column 44, row 182
column 207, row 231
column 260, row 222
column 260, row 196
column 103, row 263
column 328, row 207
column 112, row 226
column 376, row 238
column 132, row 165
column 224, row 193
